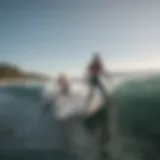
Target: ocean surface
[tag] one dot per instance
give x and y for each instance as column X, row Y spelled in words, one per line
column 25, row 128
column 24, row 125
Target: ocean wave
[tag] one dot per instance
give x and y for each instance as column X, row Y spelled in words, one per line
column 134, row 120
column 20, row 91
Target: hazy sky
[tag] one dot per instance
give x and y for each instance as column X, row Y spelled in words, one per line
column 60, row 35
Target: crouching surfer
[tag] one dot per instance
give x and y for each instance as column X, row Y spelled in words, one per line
column 67, row 109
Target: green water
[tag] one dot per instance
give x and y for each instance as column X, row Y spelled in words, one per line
column 135, row 113
column 27, row 132
column 135, row 120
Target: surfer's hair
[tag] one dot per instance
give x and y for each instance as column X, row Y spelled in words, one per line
column 134, row 121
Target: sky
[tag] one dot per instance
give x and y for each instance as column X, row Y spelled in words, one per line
column 54, row 36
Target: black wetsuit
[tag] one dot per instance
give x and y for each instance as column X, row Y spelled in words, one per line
column 95, row 69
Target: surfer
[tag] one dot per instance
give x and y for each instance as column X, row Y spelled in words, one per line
column 94, row 72
column 67, row 109
column 100, row 118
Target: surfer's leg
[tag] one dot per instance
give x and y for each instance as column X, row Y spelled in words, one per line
column 91, row 91
column 102, row 89
column 103, row 124
column 94, row 83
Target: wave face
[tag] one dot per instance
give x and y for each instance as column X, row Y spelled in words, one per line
column 27, row 132
column 134, row 121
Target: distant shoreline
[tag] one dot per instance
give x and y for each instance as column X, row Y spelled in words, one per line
column 6, row 82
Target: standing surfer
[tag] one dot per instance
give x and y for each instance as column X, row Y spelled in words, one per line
column 99, row 119
column 94, row 72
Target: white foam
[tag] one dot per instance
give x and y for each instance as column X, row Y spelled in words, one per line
column 83, row 89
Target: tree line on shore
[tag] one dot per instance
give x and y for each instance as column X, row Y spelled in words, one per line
column 9, row 71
